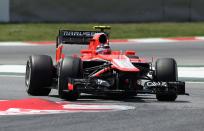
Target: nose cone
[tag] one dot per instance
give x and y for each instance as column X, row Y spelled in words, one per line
column 124, row 64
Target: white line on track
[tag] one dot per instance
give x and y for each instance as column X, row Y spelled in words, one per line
column 150, row 40
column 18, row 76
column 192, row 72
column 195, row 82
column 16, row 44
column 139, row 40
column 12, row 68
column 183, row 72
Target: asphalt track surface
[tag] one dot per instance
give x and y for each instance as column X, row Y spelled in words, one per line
column 185, row 114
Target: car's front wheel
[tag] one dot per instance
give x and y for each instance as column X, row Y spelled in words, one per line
column 166, row 71
column 70, row 68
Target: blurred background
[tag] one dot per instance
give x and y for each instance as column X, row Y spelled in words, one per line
column 101, row 11
column 30, row 20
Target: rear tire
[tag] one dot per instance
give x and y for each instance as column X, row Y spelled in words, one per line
column 166, row 71
column 69, row 68
column 38, row 76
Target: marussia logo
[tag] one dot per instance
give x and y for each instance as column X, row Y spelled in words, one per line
column 78, row 33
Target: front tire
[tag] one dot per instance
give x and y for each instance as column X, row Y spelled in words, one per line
column 38, row 76
column 70, row 68
column 166, row 71
column 166, row 96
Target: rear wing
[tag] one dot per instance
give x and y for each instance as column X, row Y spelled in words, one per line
column 76, row 37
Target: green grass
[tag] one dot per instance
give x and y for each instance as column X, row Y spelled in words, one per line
column 48, row 32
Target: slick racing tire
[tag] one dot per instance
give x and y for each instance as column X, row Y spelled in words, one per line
column 38, row 78
column 166, row 71
column 69, row 68
column 166, row 96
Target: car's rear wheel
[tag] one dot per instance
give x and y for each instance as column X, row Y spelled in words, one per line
column 38, row 77
column 70, row 68
column 166, row 71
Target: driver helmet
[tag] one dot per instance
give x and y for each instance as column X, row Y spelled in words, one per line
column 103, row 49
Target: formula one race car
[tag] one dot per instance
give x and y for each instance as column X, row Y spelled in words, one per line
column 100, row 70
